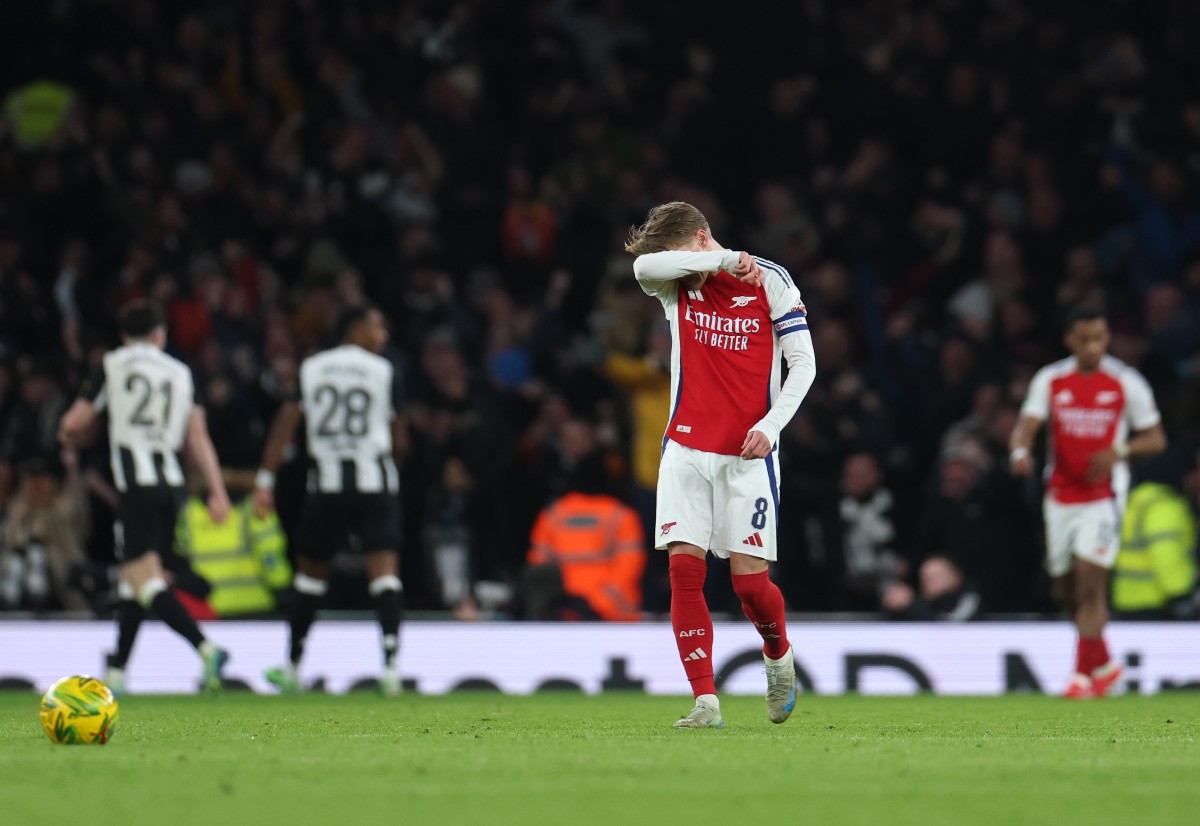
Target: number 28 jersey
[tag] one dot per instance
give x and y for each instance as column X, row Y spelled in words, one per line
column 349, row 397
column 149, row 396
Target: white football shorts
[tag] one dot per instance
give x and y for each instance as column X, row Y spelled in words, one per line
column 721, row 503
column 1090, row 531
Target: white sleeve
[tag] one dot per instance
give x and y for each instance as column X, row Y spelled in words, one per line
column 797, row 347
column 1139, row 401
column 782, row 295
column 655, row 269
column 1037, row 400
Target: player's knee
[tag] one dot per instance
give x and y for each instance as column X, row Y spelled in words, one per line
column 309, row 585
column 150, row 589
column 383, row 584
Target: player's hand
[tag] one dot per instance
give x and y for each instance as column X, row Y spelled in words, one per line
column 1100, row 465
column 219, row 507
column 264, row 502
column 1021, row 466
column 756, row 446
column 747, row 270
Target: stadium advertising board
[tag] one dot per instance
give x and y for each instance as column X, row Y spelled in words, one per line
column 519, row 658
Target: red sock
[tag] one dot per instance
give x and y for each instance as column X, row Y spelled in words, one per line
column 763, row 604
column 1090, row 654
column 691, row 621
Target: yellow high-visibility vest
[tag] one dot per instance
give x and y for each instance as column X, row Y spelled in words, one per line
column 1157, row 562
column 245, row 559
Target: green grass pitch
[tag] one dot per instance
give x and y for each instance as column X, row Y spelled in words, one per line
column 482, row 758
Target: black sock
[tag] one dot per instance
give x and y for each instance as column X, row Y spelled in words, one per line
column 301, row 618
column 129, row 619
column 389, row 605
column 170, row 610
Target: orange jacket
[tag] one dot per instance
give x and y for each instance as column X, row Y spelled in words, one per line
column 597, row 543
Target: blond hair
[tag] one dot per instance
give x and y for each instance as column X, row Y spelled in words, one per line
column 668, row 226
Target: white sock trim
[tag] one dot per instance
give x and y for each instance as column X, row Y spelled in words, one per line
column 150, row 589
column 310, row 586
column 384, row 583
column 709, row 700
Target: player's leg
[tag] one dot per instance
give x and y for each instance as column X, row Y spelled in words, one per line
column 1062, row 526
column 387, row 594
column 684, row 517
column 319, row 532
column 145, row 576
column 1091, row 615
column 148, row 523
column 748, row 522
column 130, row 615
column 310, row 584
column 1095, row 550
column 376, row 522
column 692, row 625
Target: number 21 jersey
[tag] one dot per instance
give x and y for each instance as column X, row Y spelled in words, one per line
column 149, row 396
column 350, row 397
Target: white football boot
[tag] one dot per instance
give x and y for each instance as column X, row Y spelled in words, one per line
column 706, row 714
column 781, row 687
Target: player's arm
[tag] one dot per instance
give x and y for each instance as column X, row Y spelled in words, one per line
column 83, row 411
column 283, row 430
column 654, row 270
column 790, row 321
column 1034, row 411
column 1144, row 421
column 1145, row 443
column 801, row 359
column 203, row 453
column 1020, row 445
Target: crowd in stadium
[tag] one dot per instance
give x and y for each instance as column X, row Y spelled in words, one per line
column 942, row 186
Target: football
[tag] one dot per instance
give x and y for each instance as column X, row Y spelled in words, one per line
column 79, row 711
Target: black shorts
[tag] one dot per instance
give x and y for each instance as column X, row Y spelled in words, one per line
column 332, row 522
column 146, row 520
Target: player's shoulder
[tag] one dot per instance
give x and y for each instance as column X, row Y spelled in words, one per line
column 778, row 285
column 1057, row 369
column 1113, row 366
column 775, row 272
column 346, row 355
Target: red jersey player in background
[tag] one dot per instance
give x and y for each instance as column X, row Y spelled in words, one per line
column 1101, row 412
column 732, row 316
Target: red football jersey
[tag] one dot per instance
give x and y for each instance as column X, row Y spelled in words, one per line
column 726, row 359
column 1087, row 414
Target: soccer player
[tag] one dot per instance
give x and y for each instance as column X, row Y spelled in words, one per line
column 1100, row 412
column 152, row 414
column 350, row 400
column 731, row 315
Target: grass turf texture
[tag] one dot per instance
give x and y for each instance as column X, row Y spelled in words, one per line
column 614, row 759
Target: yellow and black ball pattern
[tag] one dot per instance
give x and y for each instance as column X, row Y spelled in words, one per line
column 79, row 711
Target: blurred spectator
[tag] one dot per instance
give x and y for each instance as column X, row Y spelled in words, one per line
column 1155, row 574
column 44, row 538
column 943, row 594
column 868, row 534
column 965, row 518
column 587, row 552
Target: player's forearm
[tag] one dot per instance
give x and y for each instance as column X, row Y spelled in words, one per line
column 802, row 371
column 1023, row 434
column 205, row 455
column 283, row 430
column 669, row 265
column 1147, row 443
column 76, row 420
